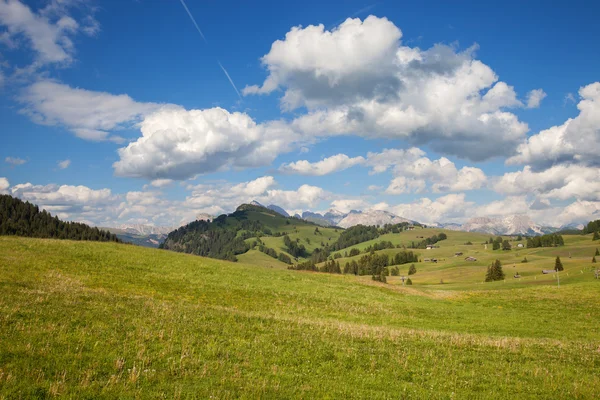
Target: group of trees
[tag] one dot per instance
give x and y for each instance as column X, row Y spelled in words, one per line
column 21, row 218
column 354, row 235
column 206, row 239
column 272, row 253
column 429, row 241
column 551, row 240
column 369, row 264
column 498, row 243
column 293, row 248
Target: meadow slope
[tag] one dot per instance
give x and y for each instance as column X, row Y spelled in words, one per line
column 105, row 320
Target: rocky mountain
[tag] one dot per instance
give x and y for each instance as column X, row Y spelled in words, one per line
column 317, row 218
column 278, row 210
column 511, row 225
column 142, row 229
column 142, row 235
column 373, row 217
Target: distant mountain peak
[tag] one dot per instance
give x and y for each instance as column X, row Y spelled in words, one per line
column 278, row 210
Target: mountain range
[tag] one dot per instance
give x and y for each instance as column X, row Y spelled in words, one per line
column 152, row 236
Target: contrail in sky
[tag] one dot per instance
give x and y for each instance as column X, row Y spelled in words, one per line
column 230, row 80
column 193, row 20
column 206, row 41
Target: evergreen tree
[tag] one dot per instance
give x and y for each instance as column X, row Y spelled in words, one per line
column 408, row 281
column 495, row 246
column 506, row 245
column 519, row 238
column 597, row 252
column 594, row 260
column 558, row 264
column 412, row 270
column 494, row 272
column 524, row 260
column 596, row 236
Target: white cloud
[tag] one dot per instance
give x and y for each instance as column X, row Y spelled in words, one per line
column 47, row 31
column 159, row 183
column 338, row 162
column 374, row 187
column 535, row 97
column 179, row 144
column 359, row 79
column 64, row 164
column 401, row 184
column 4, row 185
column 575, row 141
column 413, row 171
column 347, row 205
column 569, row 98
column 562, row 182
column 89, row 115
column 228, row 196
column 14, row 161
column 448, row 208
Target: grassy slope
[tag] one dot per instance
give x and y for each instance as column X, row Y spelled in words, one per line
column 106, row 320
column 460, row 274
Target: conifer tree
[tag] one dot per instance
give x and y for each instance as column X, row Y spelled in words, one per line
column 596, row 236
column 558, row 264
column 594, row 260
column 494, row 272
column 412, row 270
column 597, row 252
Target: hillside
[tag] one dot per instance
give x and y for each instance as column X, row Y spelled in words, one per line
column 251, row 226
column 21, row 218
column 105, row 320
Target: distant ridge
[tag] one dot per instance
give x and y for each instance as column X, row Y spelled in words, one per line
column 19, row 218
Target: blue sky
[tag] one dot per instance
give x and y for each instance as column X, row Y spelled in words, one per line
column 432, row 110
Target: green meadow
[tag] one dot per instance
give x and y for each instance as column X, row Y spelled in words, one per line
column 104, row 320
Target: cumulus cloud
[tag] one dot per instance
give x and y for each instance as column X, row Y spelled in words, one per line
column 535, row 97
column 159, row 183
column 14, row 161
column 179, row 144
column 413, row 171
column 562, row 182
column 347, row 205
column 89, row 115
column 338, row 162
column 263, row 190
column 576, row 141
column 4, row 185
column 64, row 164
column 48, row 31
column 359, row 79
column 449, row 208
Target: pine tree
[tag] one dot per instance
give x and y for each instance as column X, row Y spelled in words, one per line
column 596, row 236
column 597, row 252
column 494, row 272
column 412, row 270
column 408, row 281
column 506, row 245
column 594, row 260
column 558, row 264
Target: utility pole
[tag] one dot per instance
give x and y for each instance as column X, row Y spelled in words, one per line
column 558, row 277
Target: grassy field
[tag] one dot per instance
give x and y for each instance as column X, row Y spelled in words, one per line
column 102, row 320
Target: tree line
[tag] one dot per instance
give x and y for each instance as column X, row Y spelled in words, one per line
column 19, row 218
column 550, row 240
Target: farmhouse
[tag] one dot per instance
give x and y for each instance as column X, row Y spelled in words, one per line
column 470, row 258
column 520, row 245
column 517, row 276
column 548, row 271
column 432, row 246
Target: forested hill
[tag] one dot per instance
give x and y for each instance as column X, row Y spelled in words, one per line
column 225, row 237
column 21, row 218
